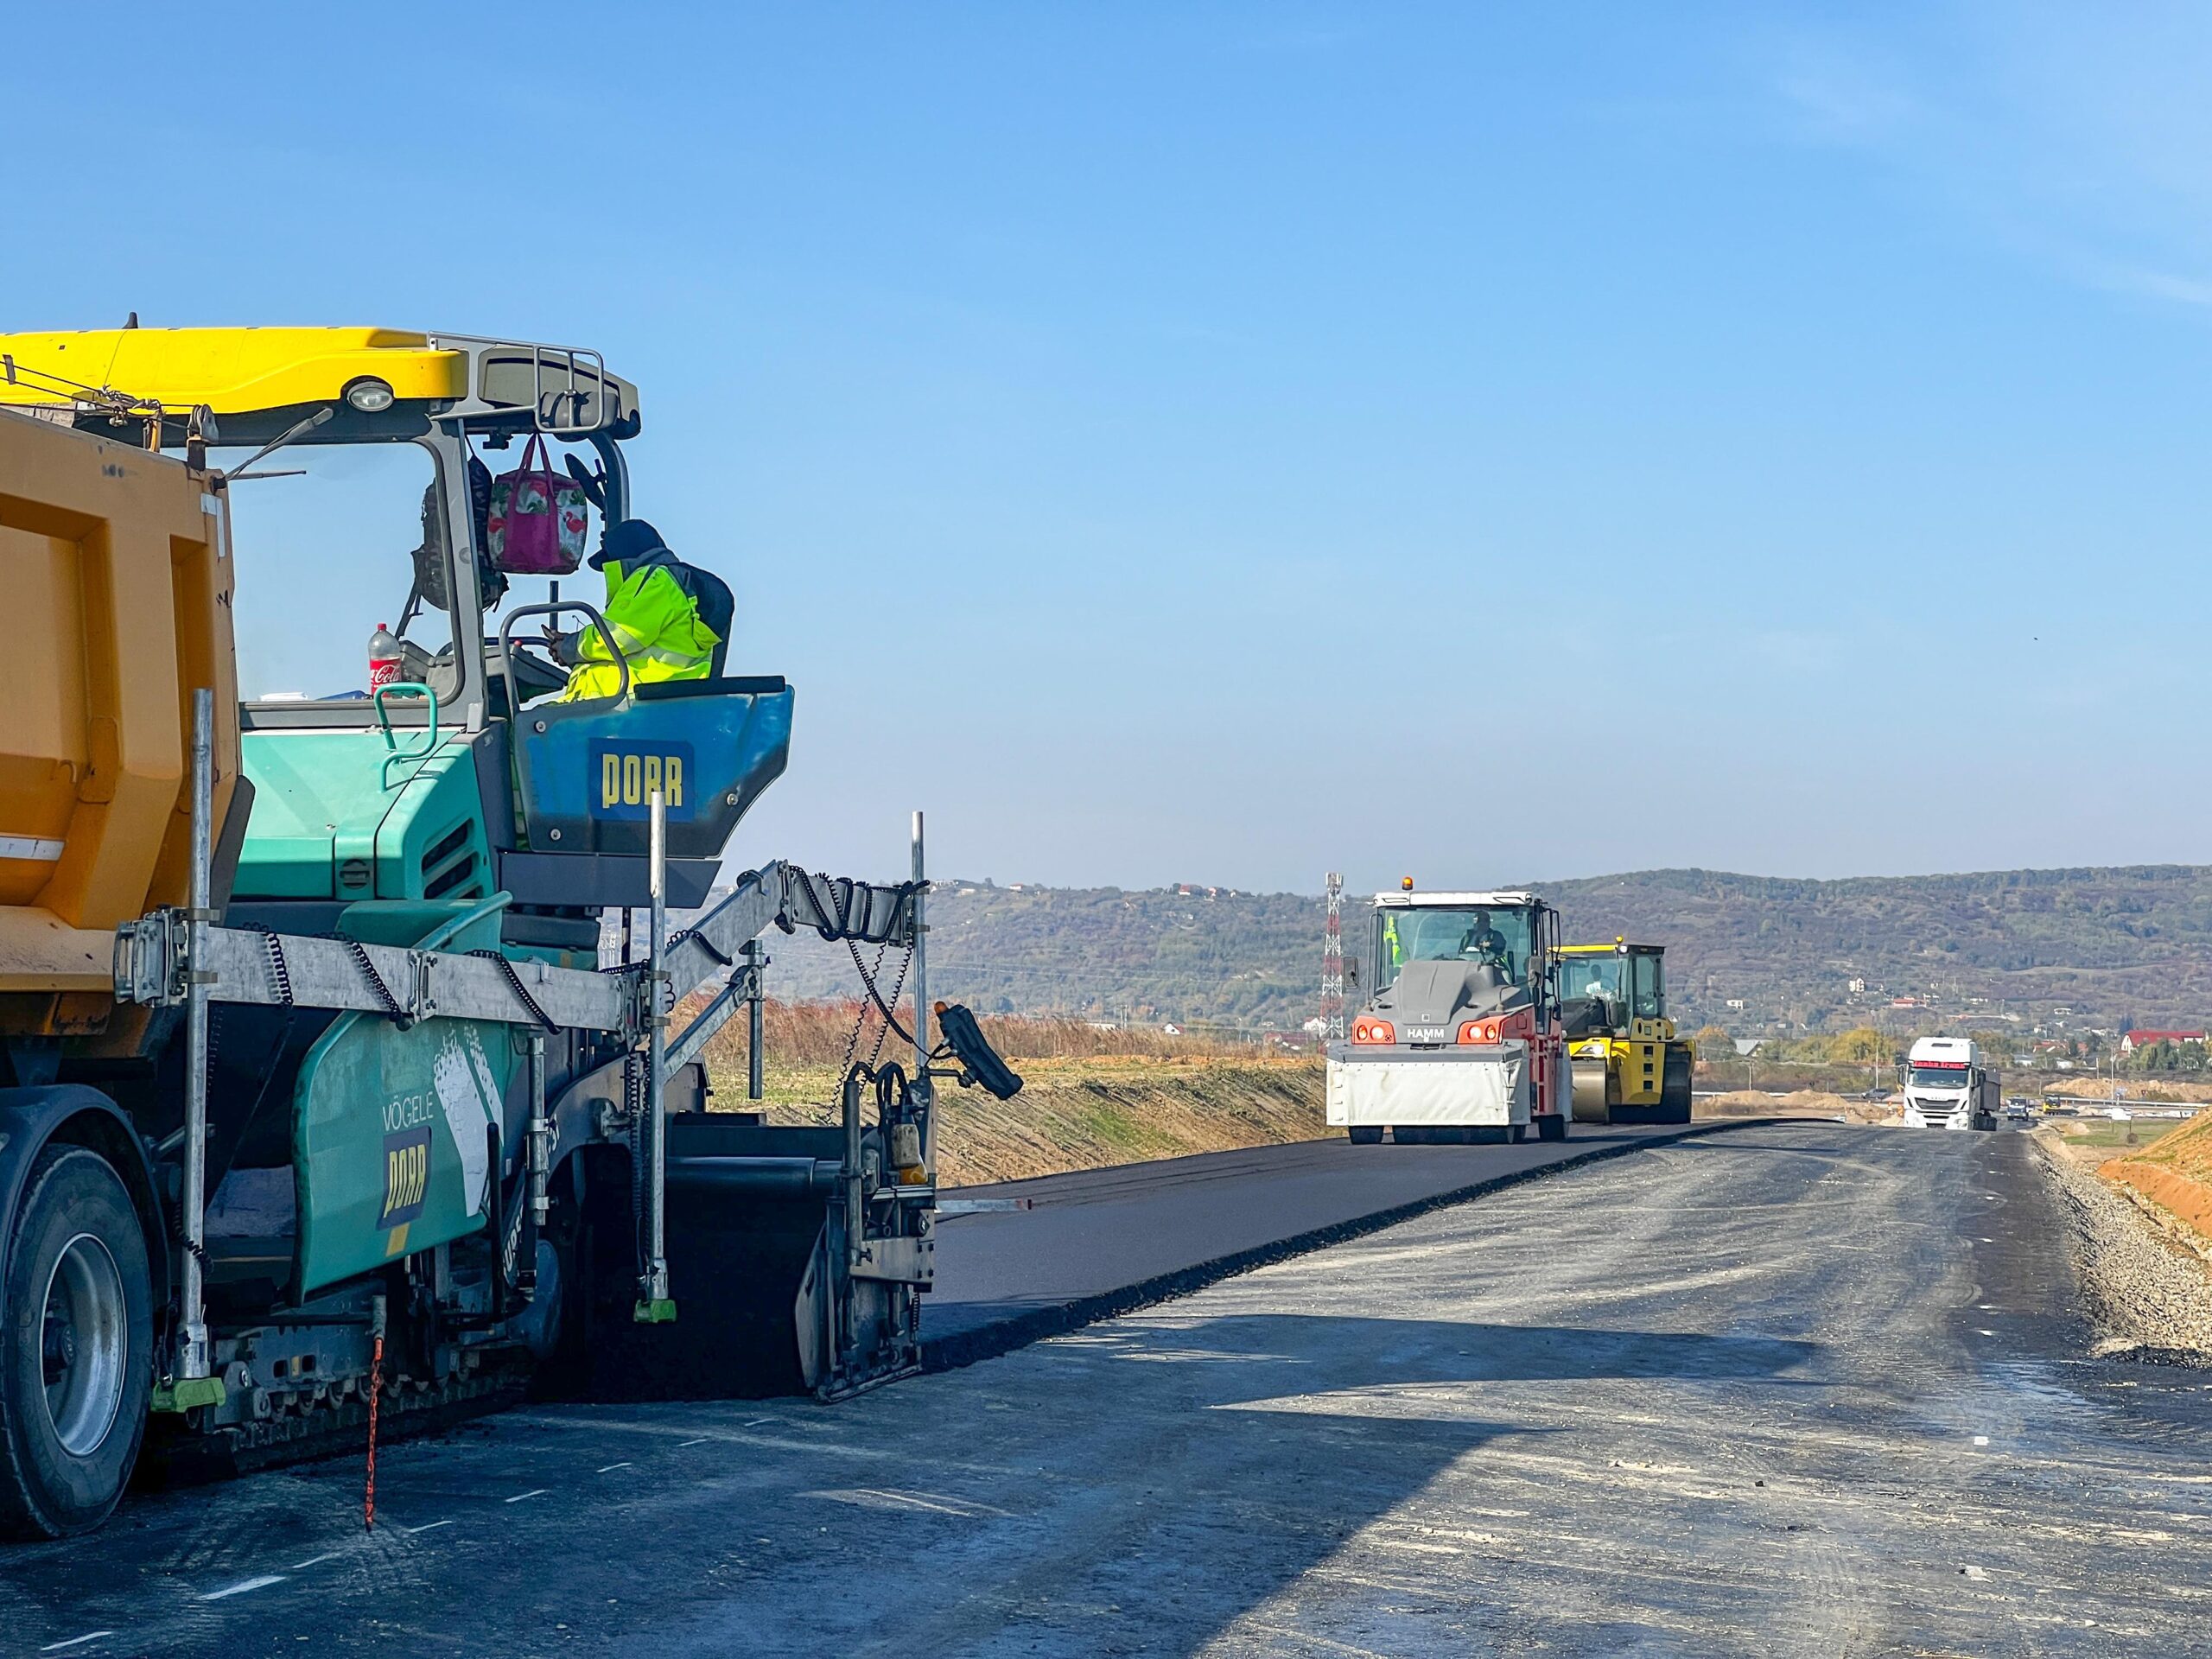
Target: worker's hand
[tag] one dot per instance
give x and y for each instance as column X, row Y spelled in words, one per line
column 561, row 647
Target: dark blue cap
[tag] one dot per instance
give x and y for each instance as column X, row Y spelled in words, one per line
column 626, row 543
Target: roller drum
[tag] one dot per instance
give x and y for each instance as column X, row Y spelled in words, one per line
column 1590, row 1105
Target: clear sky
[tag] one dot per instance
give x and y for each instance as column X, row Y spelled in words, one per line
column 1225, row 442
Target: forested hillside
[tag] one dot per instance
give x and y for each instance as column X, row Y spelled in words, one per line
column 2111, row 945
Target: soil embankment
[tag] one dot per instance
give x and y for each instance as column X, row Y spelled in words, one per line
column 2175, row 1173
column 1095, row 1093
column 2148, row 1295
column 1088, row 1112
column 1802, row 1103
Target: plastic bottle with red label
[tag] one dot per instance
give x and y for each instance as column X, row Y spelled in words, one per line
column 383, row 657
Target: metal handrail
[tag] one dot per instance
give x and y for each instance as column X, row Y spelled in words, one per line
column 537, row 366
column 412, row 688
column 605, row 634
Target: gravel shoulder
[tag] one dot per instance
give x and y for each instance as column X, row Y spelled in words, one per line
column 2148, row 1292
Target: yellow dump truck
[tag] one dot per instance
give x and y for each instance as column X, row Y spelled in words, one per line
column 312, row 1092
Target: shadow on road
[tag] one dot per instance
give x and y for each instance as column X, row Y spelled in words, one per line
column 1307, row 1352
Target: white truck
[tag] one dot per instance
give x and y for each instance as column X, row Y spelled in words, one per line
column 1946, row 1087
column 1457, row 1037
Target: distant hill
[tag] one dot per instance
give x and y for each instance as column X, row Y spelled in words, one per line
column 2131, row 945
column 1250, row 961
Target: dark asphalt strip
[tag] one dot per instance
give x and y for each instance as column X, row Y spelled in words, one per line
column 1024, row 1322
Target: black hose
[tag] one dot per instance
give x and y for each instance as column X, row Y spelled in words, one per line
column 515, row 984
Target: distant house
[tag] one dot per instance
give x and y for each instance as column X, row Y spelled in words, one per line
column 1857, row 987
column 1316, row 1026
column 1735, row 1005
column 2135, row 1040
column 1171, row 1029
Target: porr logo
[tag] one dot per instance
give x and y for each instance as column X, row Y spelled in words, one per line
column 631, row 779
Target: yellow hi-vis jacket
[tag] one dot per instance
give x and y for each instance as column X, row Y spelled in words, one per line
column 654, row 617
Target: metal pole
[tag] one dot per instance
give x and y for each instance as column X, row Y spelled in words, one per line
column 925, row 1092
column 849, row 1121
column 921, row 961
column 192, row 1340
column 656, row 1305
column 754, row 1069
column 838, row 1293
column 538, row 1147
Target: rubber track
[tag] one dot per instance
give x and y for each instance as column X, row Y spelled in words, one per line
column 990, row 1341
column 187, row 1458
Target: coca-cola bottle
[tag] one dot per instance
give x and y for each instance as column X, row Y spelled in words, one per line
column 383, row 657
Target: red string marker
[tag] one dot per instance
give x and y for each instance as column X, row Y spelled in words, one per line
column 376, row 1387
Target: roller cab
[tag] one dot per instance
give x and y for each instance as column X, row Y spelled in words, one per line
column 1457, row 1035
column 1630, row 1067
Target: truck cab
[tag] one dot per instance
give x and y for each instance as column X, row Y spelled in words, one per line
column 1947, row 1086
column 1458, row 1036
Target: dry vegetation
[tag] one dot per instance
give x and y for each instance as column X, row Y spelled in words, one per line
column 1092, row 1097
column 806, row 1034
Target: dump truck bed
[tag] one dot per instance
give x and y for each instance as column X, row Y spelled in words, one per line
column 97, row 684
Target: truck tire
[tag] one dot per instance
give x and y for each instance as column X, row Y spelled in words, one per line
column 1365, row 1134
column 76, row 1347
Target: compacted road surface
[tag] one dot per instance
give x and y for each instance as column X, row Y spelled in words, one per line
column 1802, row 1389
column 1104, row 1241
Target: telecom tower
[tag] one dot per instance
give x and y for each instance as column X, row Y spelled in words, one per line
column 1332, row 964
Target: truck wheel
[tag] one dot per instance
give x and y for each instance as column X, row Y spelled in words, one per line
column 76, row 1347
column 1551, row 1126
column 1365, row 1134
column 1517, row 1133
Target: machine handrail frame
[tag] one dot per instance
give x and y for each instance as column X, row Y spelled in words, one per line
column 606, row 634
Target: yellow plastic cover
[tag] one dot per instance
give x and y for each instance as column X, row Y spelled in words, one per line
column 231, row 371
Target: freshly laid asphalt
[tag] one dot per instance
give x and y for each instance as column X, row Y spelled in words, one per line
column 1101, row 1242
column 1788, row 1389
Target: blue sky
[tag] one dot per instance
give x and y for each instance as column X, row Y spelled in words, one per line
column 1226, row 442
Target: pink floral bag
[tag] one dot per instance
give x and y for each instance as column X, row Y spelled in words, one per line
column 537, row 519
